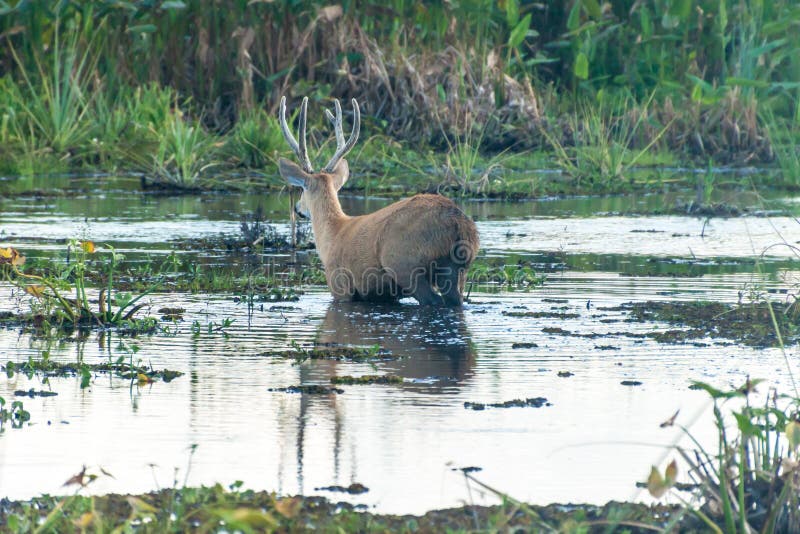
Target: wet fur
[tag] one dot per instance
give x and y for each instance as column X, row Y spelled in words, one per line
column 421, row 246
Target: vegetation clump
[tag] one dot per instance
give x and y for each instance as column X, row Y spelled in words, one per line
column 750, row 324
column 542, row 315
column 367, row 379
column 535, row 402
column 330, row 352
column 51, row 303
column 213, row 508
column 310, row 389
column 48, row 368
column 353, row 489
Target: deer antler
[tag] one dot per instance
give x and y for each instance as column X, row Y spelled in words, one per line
column 342, row 148
column 301, row 149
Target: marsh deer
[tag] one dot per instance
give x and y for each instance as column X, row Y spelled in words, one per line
column 418, row 247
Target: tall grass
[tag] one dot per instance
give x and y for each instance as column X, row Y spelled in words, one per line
column 606, row 140
column 184, row 151
column 256, row 140
column 417, row 69
column 53, row 103
column 784, row 138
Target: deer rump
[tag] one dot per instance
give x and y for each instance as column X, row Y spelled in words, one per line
column 418, row 247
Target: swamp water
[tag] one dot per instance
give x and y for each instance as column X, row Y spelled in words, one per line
column 591, row 441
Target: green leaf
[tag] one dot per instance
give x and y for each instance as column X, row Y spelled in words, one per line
column 512, row 12
column 593, row 8
column 173, row 4
column 746, row 426
column 744, row 82
column 581, row 67
column 793, row 434
column 759, row 50
column 574, row 19
column 441, row 93
column 519, row 32
column 647, row 23
column 670, row 22
column 681, row 9
column 142, row 28
column 714, row 392
column 86, row 377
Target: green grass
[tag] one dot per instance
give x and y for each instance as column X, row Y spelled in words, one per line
column 88, row 87
column 784, row 136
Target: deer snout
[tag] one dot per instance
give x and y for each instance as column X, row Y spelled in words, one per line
column 300, row 210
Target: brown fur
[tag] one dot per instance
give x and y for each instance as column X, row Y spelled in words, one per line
column 421, row 246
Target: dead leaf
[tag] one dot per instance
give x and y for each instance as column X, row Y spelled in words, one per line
column 670, row 421
column 106, row 473
column 330, row 13
column 35, row 290
column 252, row 517
column 11, row 256
column 84, row 520
column 658, row 485
column 77, row 479
column 144, row 379
column 288, row 507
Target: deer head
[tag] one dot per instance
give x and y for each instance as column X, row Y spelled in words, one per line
column 303, row 175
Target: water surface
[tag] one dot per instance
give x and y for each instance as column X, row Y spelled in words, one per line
column 595, row 440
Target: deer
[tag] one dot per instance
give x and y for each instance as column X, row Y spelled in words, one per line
column 419, row 247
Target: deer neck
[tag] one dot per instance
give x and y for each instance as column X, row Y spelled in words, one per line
column 327, row 218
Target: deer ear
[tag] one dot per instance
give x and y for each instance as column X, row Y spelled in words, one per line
column 340, row 174
column 293, row 173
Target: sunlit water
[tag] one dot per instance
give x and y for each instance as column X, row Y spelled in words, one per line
column 592, row 444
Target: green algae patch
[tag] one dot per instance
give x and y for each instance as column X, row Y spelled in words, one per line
column 366, row 379
column 353, row 489
column 748, row 324
column 542, row 315
column 312, row 389
column 535, row 402
column 331, row 352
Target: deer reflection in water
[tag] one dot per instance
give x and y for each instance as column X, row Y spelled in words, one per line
column 425, row 343
column 431, row 350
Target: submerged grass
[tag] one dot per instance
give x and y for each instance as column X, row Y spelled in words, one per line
column 749, row 323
